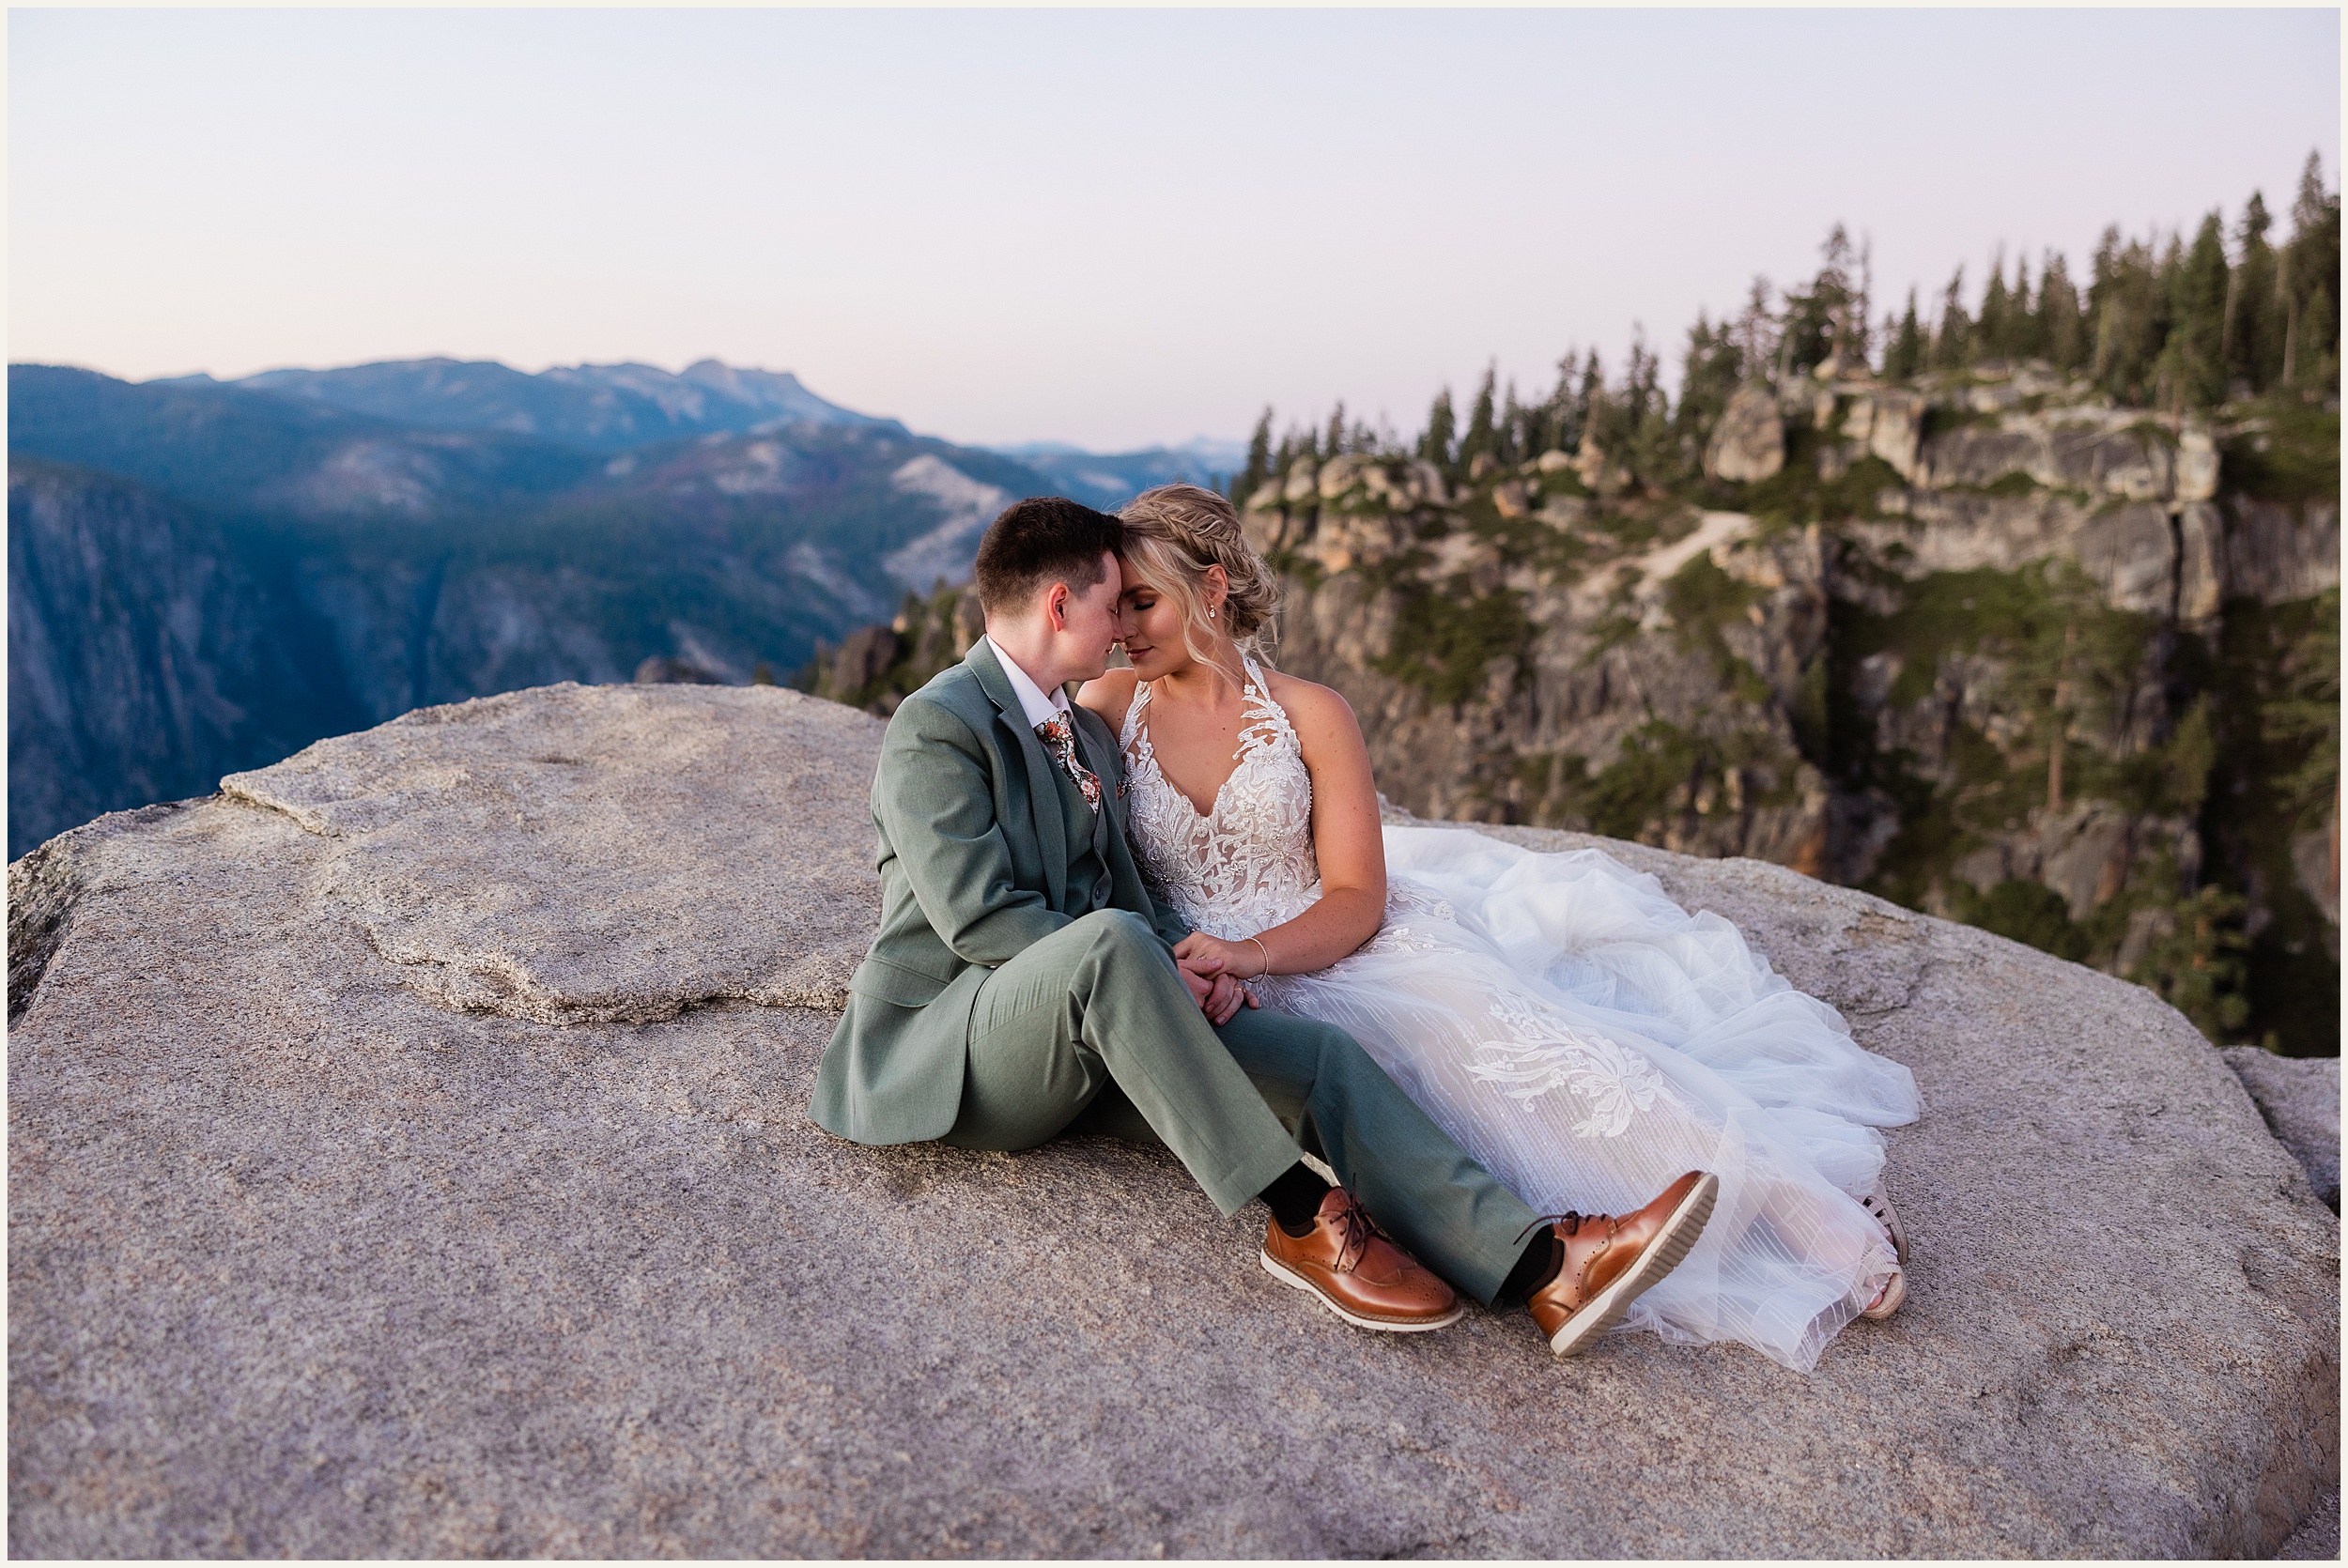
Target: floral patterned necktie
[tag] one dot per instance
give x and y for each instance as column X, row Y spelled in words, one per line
column 1060, row 739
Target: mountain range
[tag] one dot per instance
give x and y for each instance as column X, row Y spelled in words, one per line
column 204, row 575
column 597, row 408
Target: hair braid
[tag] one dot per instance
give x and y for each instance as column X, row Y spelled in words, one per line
column 1173, row 533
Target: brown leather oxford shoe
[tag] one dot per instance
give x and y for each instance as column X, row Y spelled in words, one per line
column 1609, row 1261
column 1348, row 1265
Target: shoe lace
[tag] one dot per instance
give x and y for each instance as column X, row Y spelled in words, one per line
column 1571, row 1220
column 1357, row 1230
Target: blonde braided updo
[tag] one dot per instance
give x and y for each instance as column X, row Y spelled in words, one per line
column 1173, row 533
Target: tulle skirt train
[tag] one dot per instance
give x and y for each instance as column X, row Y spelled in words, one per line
column 1587, row 1041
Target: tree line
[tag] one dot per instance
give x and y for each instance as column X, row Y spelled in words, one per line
column 2161, row 323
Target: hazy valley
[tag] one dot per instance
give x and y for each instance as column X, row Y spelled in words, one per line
column 203, row 576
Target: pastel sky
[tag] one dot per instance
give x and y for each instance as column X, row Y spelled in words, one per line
column 1110, row 228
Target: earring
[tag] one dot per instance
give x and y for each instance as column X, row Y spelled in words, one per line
column 1211, row 615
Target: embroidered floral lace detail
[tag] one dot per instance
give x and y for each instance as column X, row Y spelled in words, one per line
column 1404, row 896
column 1247, row 864
column 1392, row 938
column 1543, row 1052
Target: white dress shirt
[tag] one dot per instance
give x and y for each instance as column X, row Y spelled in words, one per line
column 1040, row 708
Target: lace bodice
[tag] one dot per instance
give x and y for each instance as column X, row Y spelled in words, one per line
column 1247, row 864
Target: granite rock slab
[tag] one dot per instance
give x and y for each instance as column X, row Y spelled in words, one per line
column 409, row 1157
column 2300, row 1098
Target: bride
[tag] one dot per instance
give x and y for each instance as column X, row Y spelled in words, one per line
column 1567, row 1023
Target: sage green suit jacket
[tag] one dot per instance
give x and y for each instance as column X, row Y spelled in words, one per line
column 974, row 859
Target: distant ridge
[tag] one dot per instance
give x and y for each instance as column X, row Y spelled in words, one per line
column 1108, row 479
column 602, row 407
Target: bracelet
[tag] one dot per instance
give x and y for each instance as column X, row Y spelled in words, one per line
column 1267, row 955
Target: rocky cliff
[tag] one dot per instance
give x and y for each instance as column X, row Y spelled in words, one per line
column 408, row 1157
column 146, row 655
column 1984, row 643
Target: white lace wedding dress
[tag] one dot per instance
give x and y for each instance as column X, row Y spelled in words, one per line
column 1576, row 1031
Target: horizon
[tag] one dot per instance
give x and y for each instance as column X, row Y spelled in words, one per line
column 1269, row 209
column 1039, row 448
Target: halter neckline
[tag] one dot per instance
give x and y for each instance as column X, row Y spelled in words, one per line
column 1264, row 723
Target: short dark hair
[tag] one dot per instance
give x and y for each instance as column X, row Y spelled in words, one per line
column 1043, row 540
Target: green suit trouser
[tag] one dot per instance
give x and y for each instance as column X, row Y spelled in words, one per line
column 1092, row 1030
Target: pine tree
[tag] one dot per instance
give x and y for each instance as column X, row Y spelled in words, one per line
column 2254, row 347
column 1953, row 344
column 1991, row 332
column 2311, row 265
column 1259, row 469
column 1757, row 331
column 2129, row 304
column 1643, row 380
column 1570, row 402
column 1709, row 373
column 1510, row 442
column 1435, row 445
column 1857, row 317
column 1336, row 442
column 2021, row 332
column 1906, row 356
column 1554, row 420
column 1532, row 430
column 1479, row 440
column 1645, row 412
column 2319, row 343
column 2195, row 352
column 2106, row 303
column 1818, row 318
column 1601, row 422
column 2060, row 338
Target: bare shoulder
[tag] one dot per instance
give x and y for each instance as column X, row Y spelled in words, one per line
column 1109, row 695
column 1316, row 711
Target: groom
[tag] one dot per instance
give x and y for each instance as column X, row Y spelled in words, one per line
column 1023, row 983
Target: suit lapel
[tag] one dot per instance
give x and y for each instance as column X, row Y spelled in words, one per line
column 1043, row 803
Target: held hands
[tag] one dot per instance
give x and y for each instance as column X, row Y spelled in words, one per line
column 1218, row 995
column 1242, row 958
